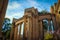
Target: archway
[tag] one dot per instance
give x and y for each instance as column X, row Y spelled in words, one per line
column 48, row 29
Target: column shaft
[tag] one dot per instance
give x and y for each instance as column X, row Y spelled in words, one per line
column 30, row 34
column 37, row 29
column 19, row 33
column 41, row 30
column 15, row 33
column 24, row 36
column 12, row 32
column 3, row 6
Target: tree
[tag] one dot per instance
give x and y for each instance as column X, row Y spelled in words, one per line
column 6, row 28
column 44, row 12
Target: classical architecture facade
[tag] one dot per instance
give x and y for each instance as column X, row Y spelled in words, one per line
column 31, row 25
column 3, row 7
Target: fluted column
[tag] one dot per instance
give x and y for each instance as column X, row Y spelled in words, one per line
column 3, row 6
column 24, row 28
column 37, row 29
column 12, row 32
column 19, row 34
column 30, row 34
column 15, row 32
column 34, row 28
column 41, row 30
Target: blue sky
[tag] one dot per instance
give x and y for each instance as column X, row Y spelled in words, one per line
column 16, row 8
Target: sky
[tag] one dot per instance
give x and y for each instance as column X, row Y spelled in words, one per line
column 15, row 8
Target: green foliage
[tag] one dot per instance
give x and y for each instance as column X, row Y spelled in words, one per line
column 43, row 12
column 6, row 28
column 7, row 19
column 8, row 34
column 48, row 36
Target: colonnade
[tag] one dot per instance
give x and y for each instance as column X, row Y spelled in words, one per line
column 18, row 33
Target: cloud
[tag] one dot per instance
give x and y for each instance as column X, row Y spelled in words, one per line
column 32, row 3
column 14, row 10
column 14, row 5
column 14, row 15
column 39, row 5
column 35, row 4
